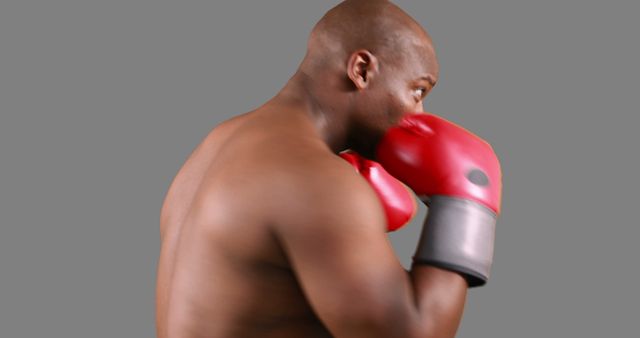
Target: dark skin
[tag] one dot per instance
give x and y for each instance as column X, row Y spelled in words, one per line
column 266, row 232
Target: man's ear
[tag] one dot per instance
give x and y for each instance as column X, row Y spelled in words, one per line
column 361, row 68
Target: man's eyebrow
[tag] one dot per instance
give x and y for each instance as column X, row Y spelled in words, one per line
column 429, row 79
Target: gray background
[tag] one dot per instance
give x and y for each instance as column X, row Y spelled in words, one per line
column 102, row 101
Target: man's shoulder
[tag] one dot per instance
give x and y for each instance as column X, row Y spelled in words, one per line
column 314, row 170
column 317, row 185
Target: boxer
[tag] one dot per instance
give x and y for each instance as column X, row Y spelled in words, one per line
column 271, row 228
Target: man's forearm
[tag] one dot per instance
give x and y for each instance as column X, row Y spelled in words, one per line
column 440, row 296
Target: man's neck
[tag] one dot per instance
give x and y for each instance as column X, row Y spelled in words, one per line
column 295, row 97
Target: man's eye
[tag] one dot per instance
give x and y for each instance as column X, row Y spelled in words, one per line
column 420, row 92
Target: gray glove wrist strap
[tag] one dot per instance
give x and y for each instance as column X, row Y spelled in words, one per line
column 458, row 235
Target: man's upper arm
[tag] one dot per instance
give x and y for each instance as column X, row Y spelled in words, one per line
column 333, row 231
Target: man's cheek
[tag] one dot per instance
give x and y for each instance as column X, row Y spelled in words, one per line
column 396, row 111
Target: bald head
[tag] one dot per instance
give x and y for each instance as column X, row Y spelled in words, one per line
column 367, row 64
column 377, row 26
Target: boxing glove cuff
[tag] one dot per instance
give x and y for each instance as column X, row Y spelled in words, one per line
column 458, row 235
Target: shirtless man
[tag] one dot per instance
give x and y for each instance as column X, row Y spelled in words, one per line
column 267, row 232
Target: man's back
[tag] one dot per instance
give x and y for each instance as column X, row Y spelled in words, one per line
column 222, row 272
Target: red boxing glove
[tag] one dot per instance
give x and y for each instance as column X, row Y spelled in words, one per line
column 397, row 201
column 458, row 175
column 436, row 157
